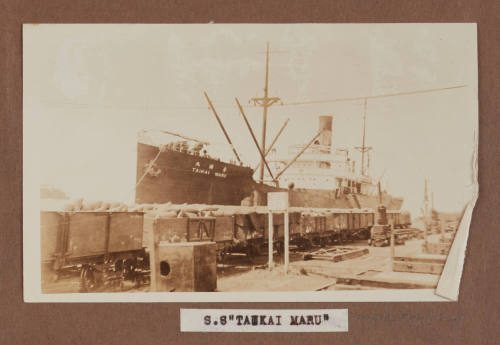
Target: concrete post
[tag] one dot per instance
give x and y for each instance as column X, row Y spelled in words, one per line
column 270, row 240
column 286, row 240
column 393, row 249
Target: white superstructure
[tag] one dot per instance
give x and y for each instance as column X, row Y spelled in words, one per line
column 322, row 167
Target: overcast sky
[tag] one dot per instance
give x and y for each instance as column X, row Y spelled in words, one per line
column 88, row 90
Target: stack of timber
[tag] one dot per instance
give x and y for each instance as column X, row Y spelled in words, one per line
column 423, row 263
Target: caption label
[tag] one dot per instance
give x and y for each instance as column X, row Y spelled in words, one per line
column 264, row 320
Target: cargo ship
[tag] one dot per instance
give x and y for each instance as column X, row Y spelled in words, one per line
column 322, row 177
column 182, row 172
column 316, row 174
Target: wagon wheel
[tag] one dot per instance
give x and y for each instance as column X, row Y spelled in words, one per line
column 88, row 282
column 344, row 237
column 129, row 272
column 308, row 243
column 129, row 266
column 252, row 251
column 249, row 252
column 305, row 244
column 323, row 242
column 257, row 250
column 221, row 256
column 364, row 234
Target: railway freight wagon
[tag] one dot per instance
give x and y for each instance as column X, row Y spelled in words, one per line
column 398, row 219
column 362, row 223
column 112, row 247
column 405, row 219
column 105, row 248
column 346, row 225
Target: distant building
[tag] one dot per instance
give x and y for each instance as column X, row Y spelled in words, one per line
column 48, row 192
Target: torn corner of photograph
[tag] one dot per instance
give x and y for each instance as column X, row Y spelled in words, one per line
column 449, row 282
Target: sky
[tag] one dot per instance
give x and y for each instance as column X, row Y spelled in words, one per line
column 89, row 89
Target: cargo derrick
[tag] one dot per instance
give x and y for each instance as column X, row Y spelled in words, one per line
column 180, row 175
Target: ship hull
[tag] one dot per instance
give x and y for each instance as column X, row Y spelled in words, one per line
column 179, row 178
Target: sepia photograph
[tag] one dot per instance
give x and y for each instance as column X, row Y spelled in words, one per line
column 248, row 162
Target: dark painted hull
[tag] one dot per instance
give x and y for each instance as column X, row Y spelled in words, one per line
column 179, row 177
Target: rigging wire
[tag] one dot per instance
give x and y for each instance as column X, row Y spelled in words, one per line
column 201, row 107
column 147, row 170
column 348, row 99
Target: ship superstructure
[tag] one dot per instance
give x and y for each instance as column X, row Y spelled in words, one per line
column 322, row 166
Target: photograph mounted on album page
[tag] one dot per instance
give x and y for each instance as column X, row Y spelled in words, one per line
column 248, row 162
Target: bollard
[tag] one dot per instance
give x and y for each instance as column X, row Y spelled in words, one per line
column 183, row 266
column 175, row 263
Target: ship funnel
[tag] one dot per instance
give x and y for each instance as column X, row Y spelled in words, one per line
column 325, row 125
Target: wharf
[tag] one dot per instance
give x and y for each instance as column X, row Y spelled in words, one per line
column 369, row 271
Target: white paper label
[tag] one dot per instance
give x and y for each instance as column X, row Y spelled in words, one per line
column 277, row 201
column 264, row 320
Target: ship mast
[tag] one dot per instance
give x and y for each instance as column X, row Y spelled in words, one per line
column 364, row 149
column 265, row 102
column 426, row 203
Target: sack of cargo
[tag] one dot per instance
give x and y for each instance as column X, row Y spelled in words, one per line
column 189, row 210
column 243, row 220
column 218, row 213
column 77, row 203
column 74, row 205
column 147, row 208
column 164, row 208
column 69, row 207
column 187, row 214
column 134, row 209
column 114, row 205
column 248, row 201
column 209, row 208
column 207, row 213
column 169, row 214
column 91, row 205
